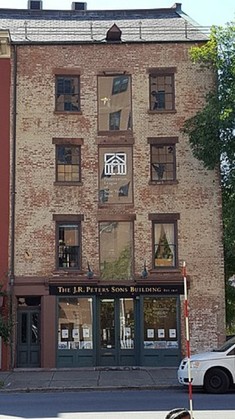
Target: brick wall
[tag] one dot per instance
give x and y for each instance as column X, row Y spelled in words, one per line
column 196, row 196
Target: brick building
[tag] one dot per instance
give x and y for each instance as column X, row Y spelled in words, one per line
column 4, row 174
column 109, row 199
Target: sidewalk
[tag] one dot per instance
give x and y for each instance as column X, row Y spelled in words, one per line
column 99, row 378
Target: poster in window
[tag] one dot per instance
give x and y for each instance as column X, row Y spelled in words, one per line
column 172, row 333
column 65, row 333
column 127, row 332
column 150, row 333
column 86, row 333
column 161, row 333
column 75, row 333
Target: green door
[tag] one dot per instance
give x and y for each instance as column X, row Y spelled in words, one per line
column 28, row 338
column 116, row 332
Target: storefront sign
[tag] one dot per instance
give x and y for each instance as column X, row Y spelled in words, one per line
column 107, row 290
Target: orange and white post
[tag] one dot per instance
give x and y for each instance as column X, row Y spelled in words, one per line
column 186, row 315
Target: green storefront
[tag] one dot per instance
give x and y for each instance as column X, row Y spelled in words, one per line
column 118, row 325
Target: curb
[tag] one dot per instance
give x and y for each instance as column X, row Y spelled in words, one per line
column 82, row 389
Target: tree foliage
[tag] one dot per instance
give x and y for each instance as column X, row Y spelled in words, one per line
column 212, row 134
column 5, row 321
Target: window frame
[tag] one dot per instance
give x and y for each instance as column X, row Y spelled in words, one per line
column 115, row 120
column 163, row 142
column 165, row 219
column 71, row 76
column 162, row 72
column 68, row 142
column 78, row 147
column 119, row 219
column 68, row 220
column 119, row 84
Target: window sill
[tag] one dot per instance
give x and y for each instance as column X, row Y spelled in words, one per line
column 161, row 111
column 67, row 271
column 164, row 269
column 163, row 182
column 126, row 139
column 68, row 183
column 116, row 132
column 123, row 205
column 67, row 113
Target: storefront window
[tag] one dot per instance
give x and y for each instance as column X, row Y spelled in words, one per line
column 160, row 323
column 75, row 323
column 116, row 250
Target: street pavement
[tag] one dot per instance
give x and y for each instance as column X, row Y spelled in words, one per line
column 98, row 379
column 88, row 378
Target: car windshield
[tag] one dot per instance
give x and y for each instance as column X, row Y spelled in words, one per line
column 226, row 345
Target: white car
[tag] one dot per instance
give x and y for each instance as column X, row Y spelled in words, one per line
column 215, row 370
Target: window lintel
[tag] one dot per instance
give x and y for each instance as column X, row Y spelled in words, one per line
column 68, row 141
column 67, row 71
column 68, row 217
column 162, row 71
column 112, row 73
column 162, row 140
column 116, row 217
column 167, row 217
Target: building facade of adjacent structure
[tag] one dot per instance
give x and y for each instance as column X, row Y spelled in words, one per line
column 109, row 199
column 5, row 72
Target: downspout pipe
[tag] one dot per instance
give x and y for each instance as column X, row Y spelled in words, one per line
column 12, row 202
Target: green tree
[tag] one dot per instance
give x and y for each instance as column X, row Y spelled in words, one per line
column 212, row 133
column 5, row 321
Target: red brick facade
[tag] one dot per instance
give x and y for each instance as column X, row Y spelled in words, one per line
column 191, row 201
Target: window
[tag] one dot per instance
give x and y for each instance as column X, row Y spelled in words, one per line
column 163, row 159
column 67, row 93
column 160, row 323
column 116, row 250
column 163, row 165
column 114, row 103
column 68, row 245
column 120, row 84
column 162, row 91
column 164, row 244
column 68, row 163
column 75, row 323
column 114, row 120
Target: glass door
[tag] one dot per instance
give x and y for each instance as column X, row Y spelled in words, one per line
column 107, row 335
column 127, row 325
column 116, row 332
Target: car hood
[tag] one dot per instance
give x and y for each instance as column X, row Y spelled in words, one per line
column 204, row 356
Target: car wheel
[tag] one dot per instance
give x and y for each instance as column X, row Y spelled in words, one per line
column 216, row 381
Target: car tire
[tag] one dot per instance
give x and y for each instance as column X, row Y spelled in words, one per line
column 216, row 381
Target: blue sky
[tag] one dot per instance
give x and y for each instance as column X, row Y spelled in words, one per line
column 205, row 12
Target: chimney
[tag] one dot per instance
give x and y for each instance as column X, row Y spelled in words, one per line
column 78, row 5
column 177, row 7
column 35, row 4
